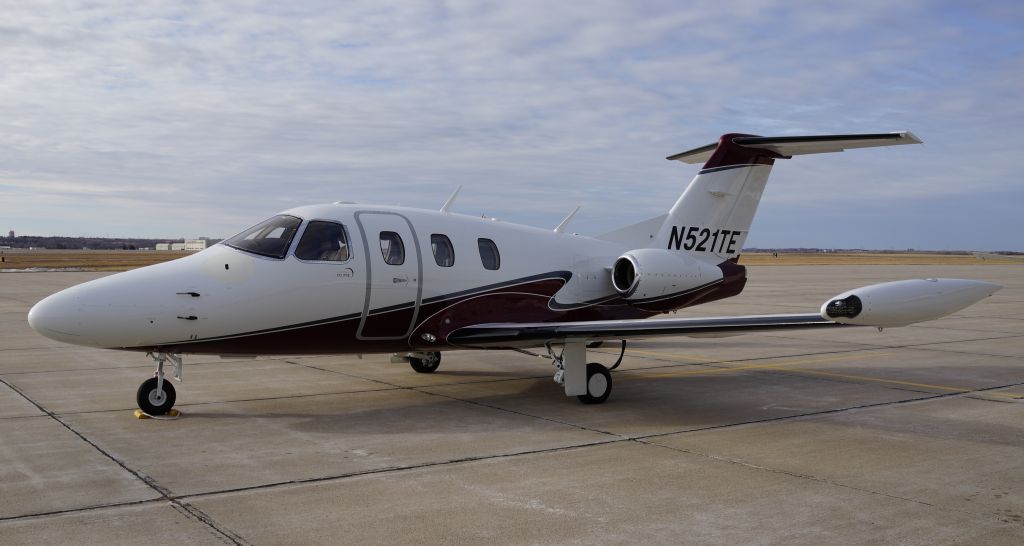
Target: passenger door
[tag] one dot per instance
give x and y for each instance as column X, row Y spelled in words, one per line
column 393, row 277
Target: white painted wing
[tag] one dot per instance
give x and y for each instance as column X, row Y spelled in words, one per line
column 533, row 334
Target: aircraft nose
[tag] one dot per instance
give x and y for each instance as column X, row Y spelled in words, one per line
column 56, row 317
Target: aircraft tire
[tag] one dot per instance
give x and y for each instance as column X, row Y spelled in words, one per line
column 426, row 365
column 599, row 384
column 153, row 402
column 595, row 344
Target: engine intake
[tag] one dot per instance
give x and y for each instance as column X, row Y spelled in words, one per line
column 624, row 277
column 652, row 274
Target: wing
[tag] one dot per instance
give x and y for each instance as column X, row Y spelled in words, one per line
column 885, row 305
column 533, row 334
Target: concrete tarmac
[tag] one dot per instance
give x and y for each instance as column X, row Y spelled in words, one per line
column 848, row 436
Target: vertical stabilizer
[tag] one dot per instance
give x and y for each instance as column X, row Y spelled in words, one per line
column 712, row 218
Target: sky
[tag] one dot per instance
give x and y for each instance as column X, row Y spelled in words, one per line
column 184, row 119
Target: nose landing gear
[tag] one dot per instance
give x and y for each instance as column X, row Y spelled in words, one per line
column 156, row 395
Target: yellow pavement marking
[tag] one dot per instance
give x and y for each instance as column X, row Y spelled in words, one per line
column 788, row 365
column 905, row 383
column 782, row 365
column 671, row 356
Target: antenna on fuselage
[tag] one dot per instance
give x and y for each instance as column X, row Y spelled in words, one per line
column 451, row 200
column 561, row 227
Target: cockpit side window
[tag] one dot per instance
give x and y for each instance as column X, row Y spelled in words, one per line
column 391, row 248
column 270, row 238
column 323, row 242
column 444, row 252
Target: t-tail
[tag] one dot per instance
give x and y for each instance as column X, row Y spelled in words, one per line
column 712, row 218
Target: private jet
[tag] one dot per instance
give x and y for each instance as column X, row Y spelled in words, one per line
column 347, row 278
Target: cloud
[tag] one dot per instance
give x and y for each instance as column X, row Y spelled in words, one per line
column 221, row 113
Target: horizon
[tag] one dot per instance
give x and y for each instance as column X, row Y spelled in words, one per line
column 745, row 248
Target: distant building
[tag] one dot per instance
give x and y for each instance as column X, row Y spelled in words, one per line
column 190, row 245
column 10, row 234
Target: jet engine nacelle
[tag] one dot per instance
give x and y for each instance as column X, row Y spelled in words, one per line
column 650, row 273
column 905, row 302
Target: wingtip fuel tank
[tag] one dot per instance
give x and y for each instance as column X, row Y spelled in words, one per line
column 906, row 302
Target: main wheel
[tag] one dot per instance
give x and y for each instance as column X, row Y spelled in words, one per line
column 599, row 384
column 428, row 364
column 153, row 401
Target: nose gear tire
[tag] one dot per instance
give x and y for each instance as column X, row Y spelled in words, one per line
column 155, row 402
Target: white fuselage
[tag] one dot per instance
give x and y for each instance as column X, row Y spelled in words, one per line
column 228, row 301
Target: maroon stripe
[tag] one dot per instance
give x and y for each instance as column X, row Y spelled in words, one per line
column 729, row 153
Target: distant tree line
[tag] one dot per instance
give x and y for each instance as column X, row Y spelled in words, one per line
column 90, row 243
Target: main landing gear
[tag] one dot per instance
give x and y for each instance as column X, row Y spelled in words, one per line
column 590, row 383
column 421, row 362
column 156, row 395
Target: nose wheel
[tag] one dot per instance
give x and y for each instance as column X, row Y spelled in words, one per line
column 155, row 399
column 156, row 395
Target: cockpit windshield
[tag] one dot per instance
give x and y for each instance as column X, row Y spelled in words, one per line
column 270, row 238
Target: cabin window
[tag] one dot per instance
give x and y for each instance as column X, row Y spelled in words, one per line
column 323, row 242
column 444, row 253
column 391, row 248
column 270, row 238
column 489, row 254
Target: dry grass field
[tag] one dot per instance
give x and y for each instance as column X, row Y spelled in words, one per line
column 122, row 260
column 85, row 260
column 868, row 258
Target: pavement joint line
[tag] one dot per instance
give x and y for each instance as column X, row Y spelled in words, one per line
column 81, row 509
column 12, row 417
column 961, row 390
column 398, row 469
column 784, row 472
column 972, row 353
column 932, row 343
column 831, row 411
column 147, row 480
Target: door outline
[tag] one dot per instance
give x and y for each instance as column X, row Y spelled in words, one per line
column 369, row 275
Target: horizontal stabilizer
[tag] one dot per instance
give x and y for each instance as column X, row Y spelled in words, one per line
column 788, row 146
